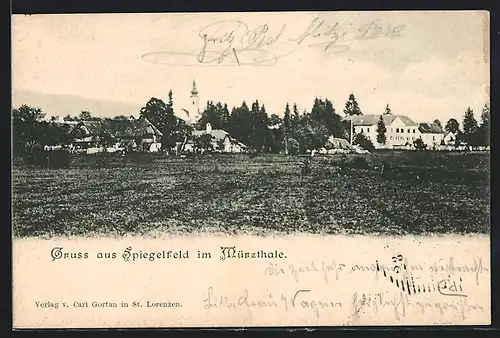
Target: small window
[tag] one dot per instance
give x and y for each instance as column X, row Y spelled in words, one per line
column 391, row 137
column 413, row 131
column 361, row 129
column 397, row 130
column 408, row 131
column 367, row 130
column 407, row 139
column 434, row 138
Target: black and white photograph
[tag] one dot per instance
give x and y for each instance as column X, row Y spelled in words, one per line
column 235, row 127
column 362, row 129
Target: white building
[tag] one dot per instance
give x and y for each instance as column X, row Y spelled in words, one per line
column 450, row 138
column 432, row 134
column 221, row 141
column 401, row 131
column 191, row 114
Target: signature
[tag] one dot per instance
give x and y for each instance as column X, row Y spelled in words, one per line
column 298, row 299
column 234, row 43
column 332, row 35
column 400, row 305
column 230, row 43
column 447, row 287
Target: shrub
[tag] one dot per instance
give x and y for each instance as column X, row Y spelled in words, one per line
column 49, row 159
column 364, row 142
column 419, row 144
column 359, row 162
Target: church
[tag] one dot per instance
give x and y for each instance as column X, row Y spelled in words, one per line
column 220, row 139
column 192, row 114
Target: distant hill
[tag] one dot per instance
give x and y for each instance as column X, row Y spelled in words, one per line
column 62, row 104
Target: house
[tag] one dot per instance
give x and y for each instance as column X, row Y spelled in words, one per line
column 401, row 131
column 337, row 143
column 450, row 138
column 221, row 141
column 132, row 134
column 431, row 134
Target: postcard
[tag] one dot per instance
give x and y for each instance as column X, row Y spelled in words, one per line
column 263, row 169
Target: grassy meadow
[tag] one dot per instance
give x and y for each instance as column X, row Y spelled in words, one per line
column 98, row 195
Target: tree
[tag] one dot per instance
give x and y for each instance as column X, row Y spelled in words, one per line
column 311, row 133
column 240, row 123
column 215, row 114
column 437, row 122
column 419, row 144
column 287, row 126
column 293, row 146
column 324, row 113
column 260, row 134
column 381, row 130
column 387, row 110
column 452, row 126
column 87, row 116
column 295, row 120
column 352, row 107
column 162, row 116
column 27, row 129
column 470, row 128
column 205, row 142
column 287, row 120
column 484, row 128
column 364, row 142
column 275, row 121
column 155, row 111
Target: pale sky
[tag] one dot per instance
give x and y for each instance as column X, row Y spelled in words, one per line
column 435, row 67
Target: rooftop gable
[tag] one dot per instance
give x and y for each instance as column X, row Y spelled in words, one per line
column 120, row 128
column 372, row 120
column 430, row 128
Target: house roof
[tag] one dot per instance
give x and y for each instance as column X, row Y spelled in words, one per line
column 68, row 127
column 371, row 120
column 218, row 134
column 338, row 143
column 121, row 128
column 430, row 128
column 135, row 128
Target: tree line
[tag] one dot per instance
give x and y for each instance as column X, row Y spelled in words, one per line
column 262, row 132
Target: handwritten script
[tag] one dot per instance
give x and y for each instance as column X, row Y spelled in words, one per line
column 234, row 43
column 350, row 308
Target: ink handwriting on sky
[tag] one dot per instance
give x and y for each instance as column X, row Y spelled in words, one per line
column 234, row 43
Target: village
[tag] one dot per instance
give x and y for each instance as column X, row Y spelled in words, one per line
column 362, row 133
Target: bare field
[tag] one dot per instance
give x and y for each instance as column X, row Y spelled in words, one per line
column 415, row 193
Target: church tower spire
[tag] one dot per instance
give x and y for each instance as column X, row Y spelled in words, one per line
column 194, row 91
column 195, row 106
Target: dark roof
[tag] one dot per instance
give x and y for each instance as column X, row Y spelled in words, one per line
column 135, row 128
column 371, row 120
column 121, row 128
column 430, row 128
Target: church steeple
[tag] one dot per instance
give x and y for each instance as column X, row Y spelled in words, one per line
column 194, row 92
column 195, row 105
